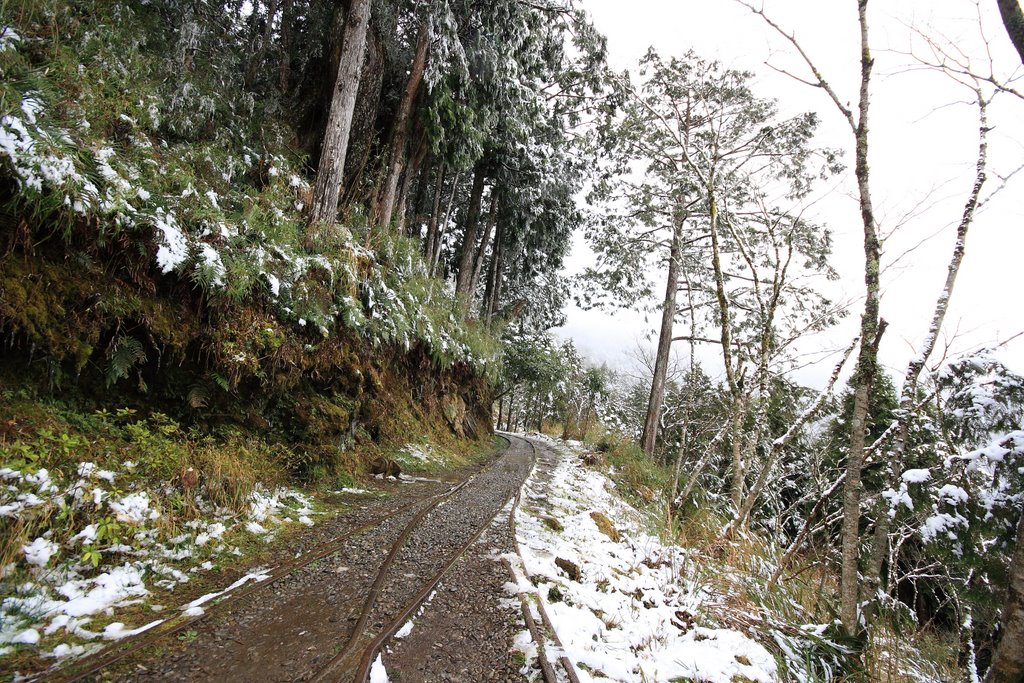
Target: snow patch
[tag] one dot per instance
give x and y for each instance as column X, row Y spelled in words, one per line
column 916, row 476
column 378, row 674
column 117, row 630
column 39, row 551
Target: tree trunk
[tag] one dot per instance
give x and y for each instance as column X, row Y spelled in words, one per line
column 386, row 202
column 587, row 418
column 494, row 270
column 908, row 394
column 435, row 217
column 286, row 45
column 256, row 60
column 331, row 171
column 668, row 315
column 420, row 212
column 736, row 420
column 697, row 469
column 738, row 406
column 411, row 172
column 1013, row 20
column 1008, row 660
column 677, row 468
column 866, row 362
column 481, row 253
column 470, row 226
column 436, row 256
column 511, row 406
column 363, row 132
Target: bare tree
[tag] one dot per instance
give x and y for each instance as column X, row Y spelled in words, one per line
column 908, row 395
column 871, row 326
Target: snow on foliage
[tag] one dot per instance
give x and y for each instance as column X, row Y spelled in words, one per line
column 218, row 230
column 9, row 38
column 918, row 476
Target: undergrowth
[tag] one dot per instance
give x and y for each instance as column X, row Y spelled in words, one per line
column 105, row 513
column 796, row 618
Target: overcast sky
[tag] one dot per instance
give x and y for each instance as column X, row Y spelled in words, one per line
column 924, row 146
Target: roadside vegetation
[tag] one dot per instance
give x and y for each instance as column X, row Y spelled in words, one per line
column 953, row 511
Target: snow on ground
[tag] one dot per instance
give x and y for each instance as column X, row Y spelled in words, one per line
column 66, row 585
column 378, row 674
column 418, row 452
column 631, row 614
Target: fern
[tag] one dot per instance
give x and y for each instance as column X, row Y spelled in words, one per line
column 221, row 381
column 125, row 354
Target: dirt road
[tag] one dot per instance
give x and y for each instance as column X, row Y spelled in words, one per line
column 432, row 552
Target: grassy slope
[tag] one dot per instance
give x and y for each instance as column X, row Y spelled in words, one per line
column 794, row 619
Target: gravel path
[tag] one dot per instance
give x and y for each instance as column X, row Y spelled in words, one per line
column 468, row 630
column 301, row 628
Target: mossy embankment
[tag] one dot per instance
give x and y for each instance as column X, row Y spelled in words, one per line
column 154, row 254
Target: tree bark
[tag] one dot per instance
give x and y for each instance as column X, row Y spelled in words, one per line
column 494, row 270
column 736, row 420
column 256, row 60
column 331, row 171
column 668, row 315
column 411, row 173
column 435, row 216
column 420, row 211
column 1008, row 660
column 386, row 202
column 1013, row 20
column 286, row 45
column 470, row 226
column 739, row 404
column 436, row 256
column 867, row 360
column 511, row 406
column 363, row 133
column 481, row 253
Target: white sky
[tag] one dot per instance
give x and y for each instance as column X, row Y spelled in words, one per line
column 923, row 153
